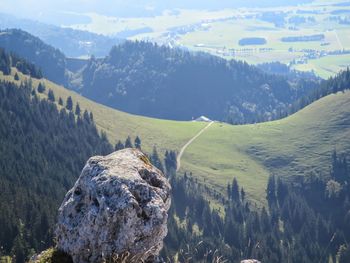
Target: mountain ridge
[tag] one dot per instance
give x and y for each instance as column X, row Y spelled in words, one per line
column 157, row 81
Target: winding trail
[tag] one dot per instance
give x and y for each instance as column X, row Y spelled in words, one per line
column 178, row 159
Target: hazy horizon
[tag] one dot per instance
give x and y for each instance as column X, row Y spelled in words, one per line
column 71, row 12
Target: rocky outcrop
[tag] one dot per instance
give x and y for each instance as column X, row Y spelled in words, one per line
column 118, row 206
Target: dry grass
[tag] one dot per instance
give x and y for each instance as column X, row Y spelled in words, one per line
column 191, row 255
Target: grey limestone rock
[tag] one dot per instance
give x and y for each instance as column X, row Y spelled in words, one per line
column 118, row 205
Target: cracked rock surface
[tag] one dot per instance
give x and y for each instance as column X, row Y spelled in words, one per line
column 118, row 205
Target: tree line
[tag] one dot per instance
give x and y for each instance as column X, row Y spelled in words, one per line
column 307, row 220
column 11, row 60
column 42, row 151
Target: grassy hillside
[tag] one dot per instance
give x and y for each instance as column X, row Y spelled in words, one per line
column 118, row 125
column 295, row 146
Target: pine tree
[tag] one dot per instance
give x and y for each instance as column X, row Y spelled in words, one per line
column 242, row 194
column 60, row 101
column 137, row 142
column 156, row 160
column 41, row 88
column 229, row 191
column 86, row 116
column 282, row 191
column 16, row 77
column 51, row 95
column 235, row 190
column 128, row 143
column 69, row 103
column 119, row 146
column 77, row 109
column 170, row 162
column 271, row 190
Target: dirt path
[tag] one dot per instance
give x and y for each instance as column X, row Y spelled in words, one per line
column 338, row 39
column 178, row 159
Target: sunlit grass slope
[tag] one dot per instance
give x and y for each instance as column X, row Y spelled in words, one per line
column 295, row 146
column 118, row 125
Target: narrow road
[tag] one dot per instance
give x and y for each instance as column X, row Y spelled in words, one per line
column 178, row 159
column 338, row 39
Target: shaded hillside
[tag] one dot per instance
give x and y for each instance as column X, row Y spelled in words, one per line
column 156, row 81
column 50, row 60
column 11, row 60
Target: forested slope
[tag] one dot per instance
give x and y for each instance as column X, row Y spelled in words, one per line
column 156, row 81
column 42, row 151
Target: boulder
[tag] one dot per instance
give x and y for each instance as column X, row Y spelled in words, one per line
column 117, row 208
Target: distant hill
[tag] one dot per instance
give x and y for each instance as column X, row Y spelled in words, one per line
column 73, row 43
column 156, row 81
column 51, row 61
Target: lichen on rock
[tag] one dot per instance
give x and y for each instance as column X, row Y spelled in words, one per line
column 118, row 205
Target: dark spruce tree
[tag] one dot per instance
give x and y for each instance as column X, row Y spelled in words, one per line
column 41, row 87
column 51, row 95
column 137, row 142
column 60, row 101
column 119, row 146
column 5, row 62
column 235, row 190
column 128, row 143
column 170, row 162
column 271, row 190
column 16, row 77
column 77, row 109
column 69, row 103
column 156, row 161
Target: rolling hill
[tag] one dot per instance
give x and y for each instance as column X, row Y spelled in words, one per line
column 169, row 83
column 298, row 145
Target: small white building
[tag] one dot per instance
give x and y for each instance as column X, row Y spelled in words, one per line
column 203, row 119
column 250, row 261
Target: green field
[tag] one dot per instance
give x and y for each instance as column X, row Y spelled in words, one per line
column 326, row 66
column 295, row 146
